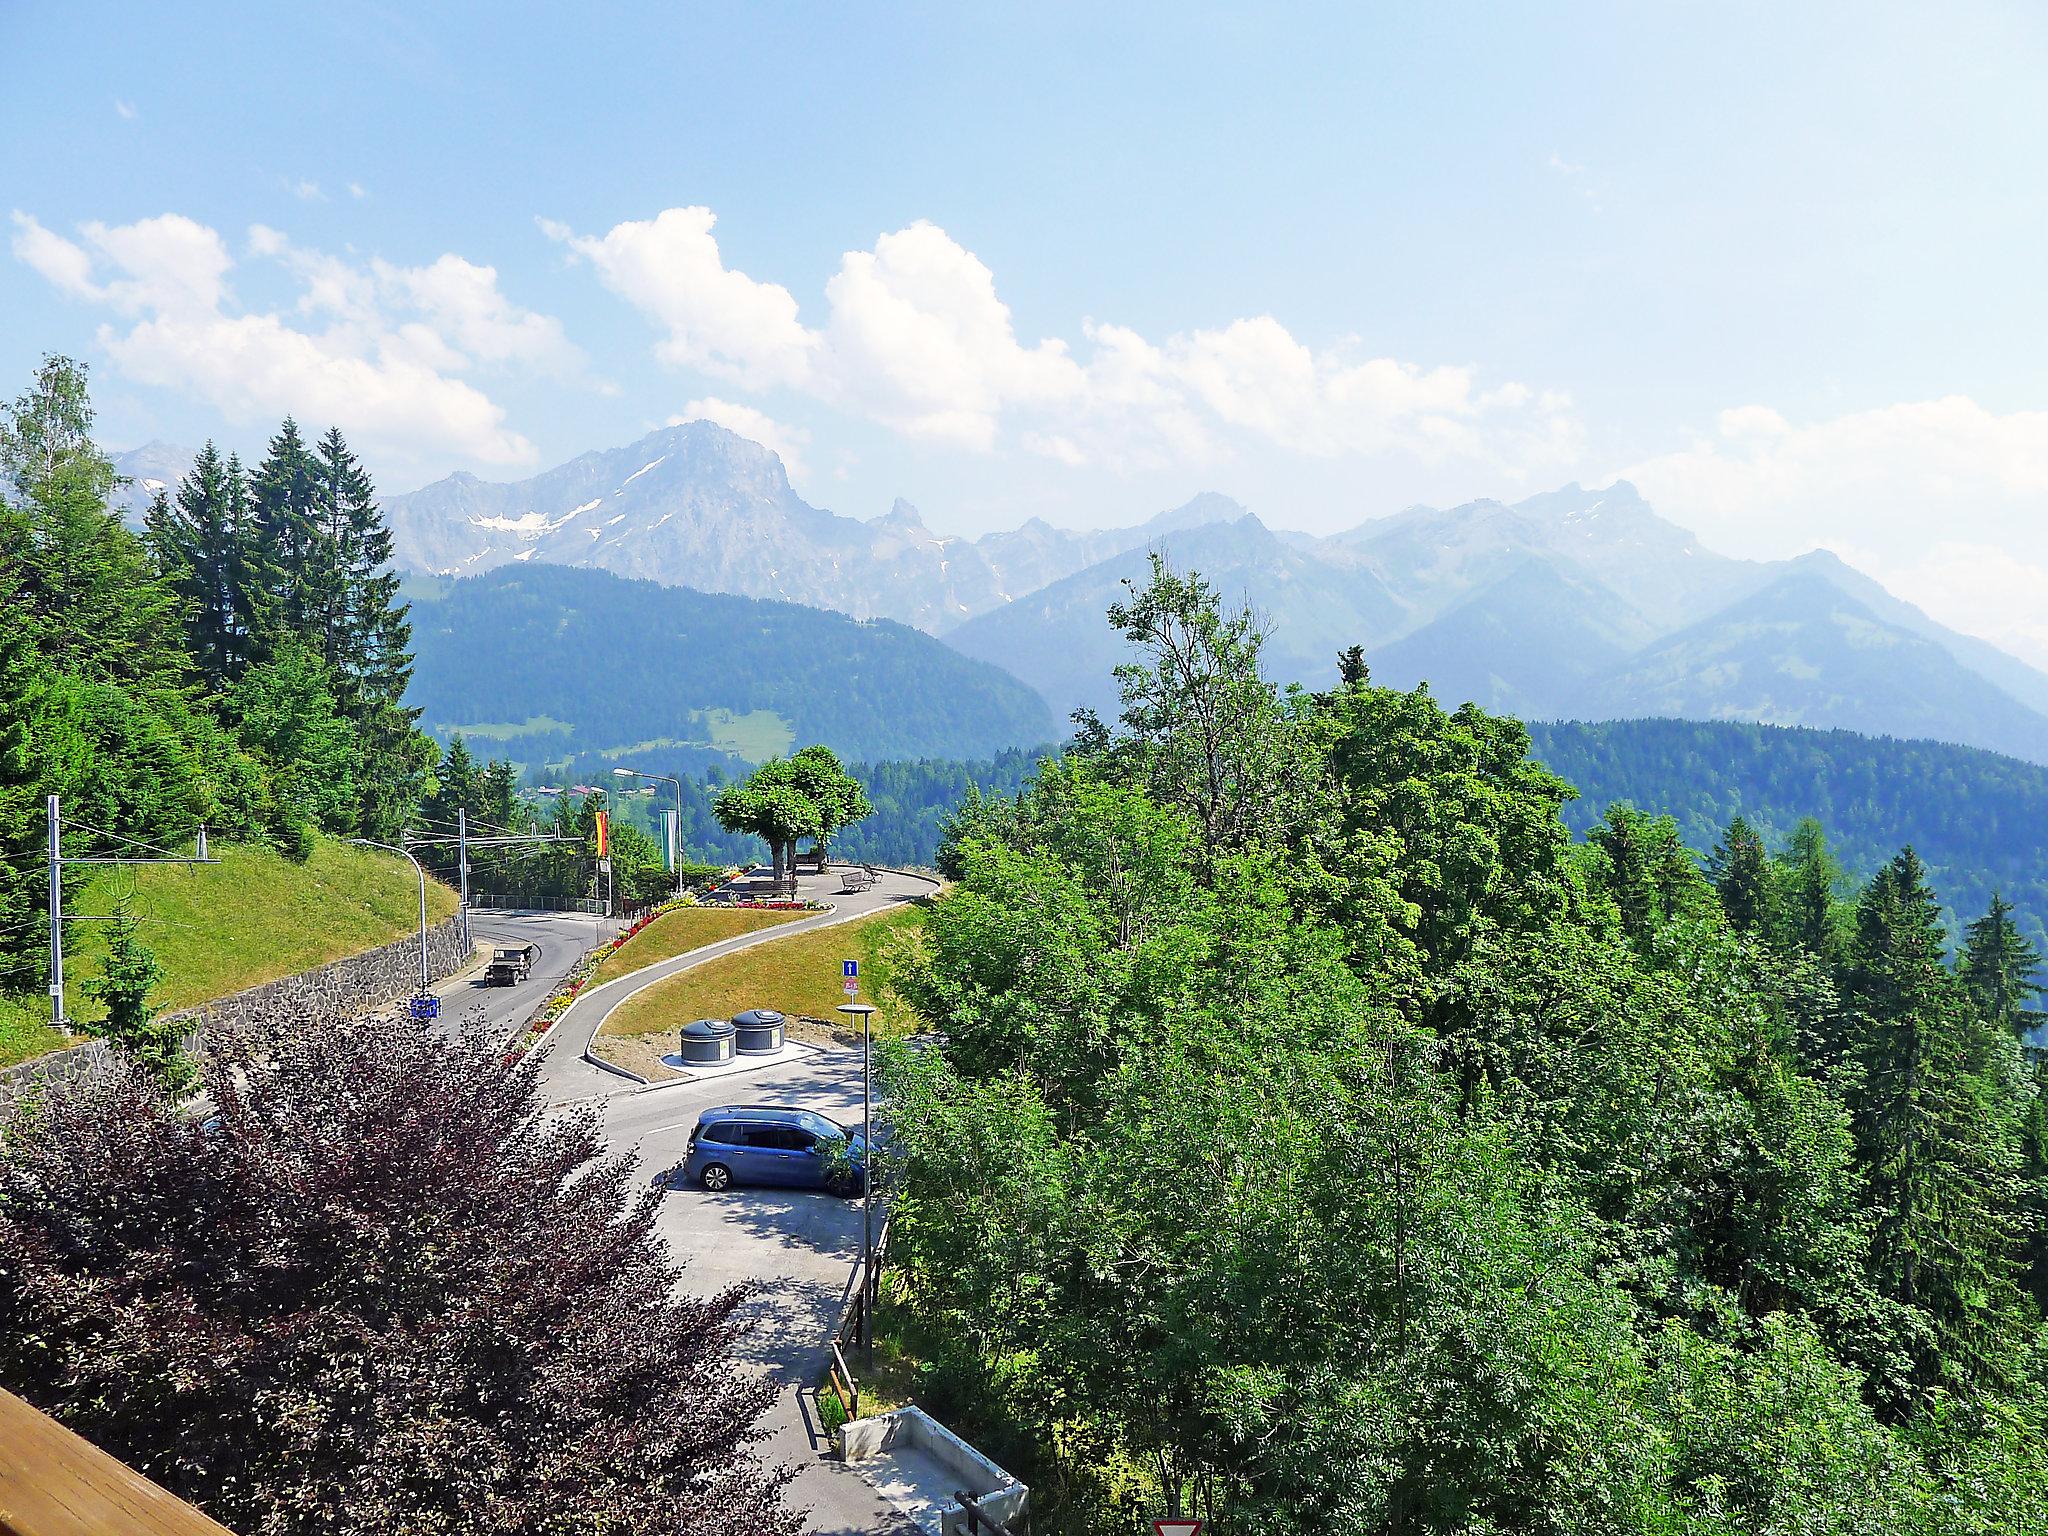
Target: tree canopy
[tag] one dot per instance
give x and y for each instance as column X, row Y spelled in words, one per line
column 1319, row 1139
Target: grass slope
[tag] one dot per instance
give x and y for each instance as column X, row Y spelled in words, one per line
column 798, row 975
column 679, row 932
column 219, row 929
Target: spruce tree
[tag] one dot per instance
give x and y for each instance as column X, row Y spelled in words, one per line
column 2000, row 967
column 1942, row 1186
column 253, row 578
column 1741, row 876
column 192, row 544
column 132, row 1021
column 1807, row 876
column 287, row 530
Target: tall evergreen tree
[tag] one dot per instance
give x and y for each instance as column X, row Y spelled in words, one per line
column 286, row 527
column 2000, row 967
column 193, row 544
column 1942, row 1186
column 1742, row 877
column 1807, row 876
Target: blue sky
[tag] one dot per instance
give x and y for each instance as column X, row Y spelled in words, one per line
column 1781, row 265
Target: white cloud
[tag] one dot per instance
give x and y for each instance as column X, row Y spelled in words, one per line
column 375, row 349
column 787, row 441
column 1890, row 488
column 718, row 320
column 305, row 191
column 355, row 189
column 464, row 301
column 915, row 336
column 125, row 109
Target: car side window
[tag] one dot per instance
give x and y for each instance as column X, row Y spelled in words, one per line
column 725, row 1133
column 783, row 1138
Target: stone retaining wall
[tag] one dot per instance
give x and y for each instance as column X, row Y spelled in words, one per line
column 317, row 998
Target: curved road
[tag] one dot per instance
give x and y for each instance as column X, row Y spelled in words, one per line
column 797, row 1248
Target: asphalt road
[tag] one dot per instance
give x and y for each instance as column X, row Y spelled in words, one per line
column 797, row 1248
column 563, row 938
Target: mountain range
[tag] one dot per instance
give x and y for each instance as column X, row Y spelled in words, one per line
column 1577, row 603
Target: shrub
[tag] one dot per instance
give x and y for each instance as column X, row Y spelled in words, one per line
column 381, row 1280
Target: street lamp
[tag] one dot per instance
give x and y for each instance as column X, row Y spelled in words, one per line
column 426, row 981
column 636, row 773
column 868, row 1288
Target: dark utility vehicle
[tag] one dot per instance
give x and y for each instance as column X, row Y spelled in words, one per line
column 509, row 965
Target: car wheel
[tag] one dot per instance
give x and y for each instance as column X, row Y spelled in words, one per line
column 840, row 1184
column 716, row 1177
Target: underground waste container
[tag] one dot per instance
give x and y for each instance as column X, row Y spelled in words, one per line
column 759, row 1031
column 706, row 1042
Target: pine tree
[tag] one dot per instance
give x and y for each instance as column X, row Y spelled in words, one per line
column 1942, row 1185
column 253, row 577
column 193, row 547
column 1807, row 877
column 1741, row 875
column 122, row 987
column 2000, row 967
column 285, row 521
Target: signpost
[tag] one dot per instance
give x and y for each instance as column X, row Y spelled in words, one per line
column 1176, row 1528
column 426, row 1006
column 869, row 1290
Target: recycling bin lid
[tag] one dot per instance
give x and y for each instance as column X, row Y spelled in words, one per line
column 707, row 1029
column 757, row 1018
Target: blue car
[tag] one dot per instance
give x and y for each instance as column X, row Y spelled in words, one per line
column 765, row 1144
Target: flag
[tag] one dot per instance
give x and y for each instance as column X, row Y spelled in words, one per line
column 604, row 835
column 668, row 841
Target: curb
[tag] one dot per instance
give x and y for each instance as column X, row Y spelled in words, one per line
column 686, row 960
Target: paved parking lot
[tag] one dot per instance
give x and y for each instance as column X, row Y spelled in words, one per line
column 797, row 1247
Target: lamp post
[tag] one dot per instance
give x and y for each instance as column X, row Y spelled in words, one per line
column 636, row 773
column 868, row 1289
column 426, row 981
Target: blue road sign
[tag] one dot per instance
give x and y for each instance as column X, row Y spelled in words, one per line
column 849, row 969
column 426, row 1006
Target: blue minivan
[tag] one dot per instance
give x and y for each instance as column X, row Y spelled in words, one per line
column 766, row 1144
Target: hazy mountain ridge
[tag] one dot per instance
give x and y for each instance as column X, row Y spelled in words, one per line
column 698, row 506
column 1573, row 603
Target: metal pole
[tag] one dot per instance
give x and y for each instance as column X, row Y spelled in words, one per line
column 56, row 921
column 462, row 868
column 676, row 841
column 426, row 978
column 867, row 1193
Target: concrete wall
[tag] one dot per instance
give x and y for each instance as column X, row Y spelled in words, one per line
column 972, row 1472
column 317, row 998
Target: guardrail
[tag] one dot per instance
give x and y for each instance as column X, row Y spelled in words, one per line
column 859, row 1308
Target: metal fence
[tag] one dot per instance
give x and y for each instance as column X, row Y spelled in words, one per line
column 533, row 901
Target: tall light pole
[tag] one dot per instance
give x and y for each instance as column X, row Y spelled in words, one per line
column 868, row 1289
column 636, row 773
column 426, row 980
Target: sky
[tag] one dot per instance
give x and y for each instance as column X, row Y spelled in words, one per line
column 1778, row 265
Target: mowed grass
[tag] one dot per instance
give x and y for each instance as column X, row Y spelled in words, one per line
column 797, row 975
column 255, row 916
column 25, row 1030
column 679, row 932
column 219, row 929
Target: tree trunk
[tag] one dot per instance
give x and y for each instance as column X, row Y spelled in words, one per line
column 775, row 859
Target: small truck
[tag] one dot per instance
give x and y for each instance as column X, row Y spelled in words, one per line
column 509, row 965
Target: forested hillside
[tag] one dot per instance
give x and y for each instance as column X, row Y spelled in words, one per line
column 241, row 664
column 1978, row 821
column 554, row 663
column 1318, row 1139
